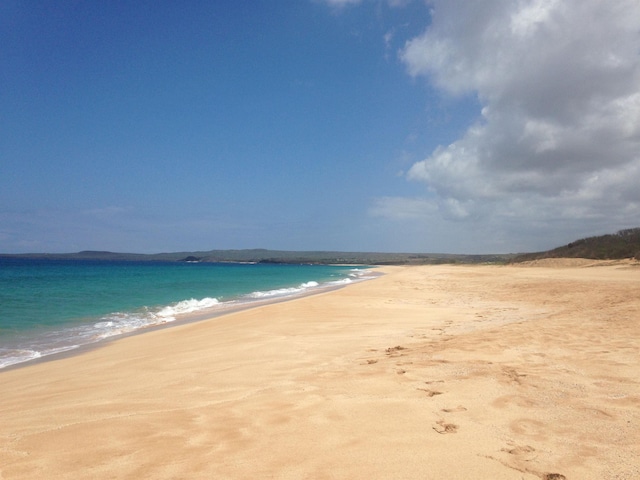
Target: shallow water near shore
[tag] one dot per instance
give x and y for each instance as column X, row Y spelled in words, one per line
column 52, row 306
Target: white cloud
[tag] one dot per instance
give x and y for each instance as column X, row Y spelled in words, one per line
column 558, row 138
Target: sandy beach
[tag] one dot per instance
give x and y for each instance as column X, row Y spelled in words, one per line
column 434, row 372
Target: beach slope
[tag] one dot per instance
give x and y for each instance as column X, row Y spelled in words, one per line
column 456, row 372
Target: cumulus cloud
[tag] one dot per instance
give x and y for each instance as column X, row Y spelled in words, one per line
column 558, row 136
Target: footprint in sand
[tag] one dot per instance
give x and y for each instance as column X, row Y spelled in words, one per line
column 430, row 393
column 513, row 376
column 442, row 427
column 513, row 400
column 521, row 452
column 394, row 351
column 459, row 408
column 529, row 427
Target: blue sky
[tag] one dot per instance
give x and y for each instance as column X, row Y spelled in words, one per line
column 371, row 125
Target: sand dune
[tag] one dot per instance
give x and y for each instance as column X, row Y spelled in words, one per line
column 432, row 372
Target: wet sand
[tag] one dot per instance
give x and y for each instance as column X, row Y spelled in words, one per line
column 456, row 372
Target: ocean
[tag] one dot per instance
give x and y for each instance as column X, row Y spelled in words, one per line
column 53, row 306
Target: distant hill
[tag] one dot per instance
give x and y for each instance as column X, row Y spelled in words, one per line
column 620, row 245
column 623, row 244
column 276, row 256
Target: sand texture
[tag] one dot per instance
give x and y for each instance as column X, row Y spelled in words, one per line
column 435, row 372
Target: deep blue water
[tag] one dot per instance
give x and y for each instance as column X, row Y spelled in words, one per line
column 48, row 306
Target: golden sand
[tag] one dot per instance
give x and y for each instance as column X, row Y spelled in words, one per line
column 435, row 372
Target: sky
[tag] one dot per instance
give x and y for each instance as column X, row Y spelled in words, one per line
column 442, row 126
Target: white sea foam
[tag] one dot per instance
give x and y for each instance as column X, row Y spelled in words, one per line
column 53, row 351
column 282, row 292
column 362, row 273
column 125, row 322
column 119, row 323
column 19, row 355
column 13, row 356
column 186, row 306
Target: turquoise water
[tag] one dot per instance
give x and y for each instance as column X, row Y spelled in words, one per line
column 50, row 306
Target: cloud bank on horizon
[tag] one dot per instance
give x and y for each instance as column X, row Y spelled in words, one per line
column 557, row 141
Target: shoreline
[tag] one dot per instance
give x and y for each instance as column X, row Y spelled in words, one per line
column 446, row 371
column 210, row 313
